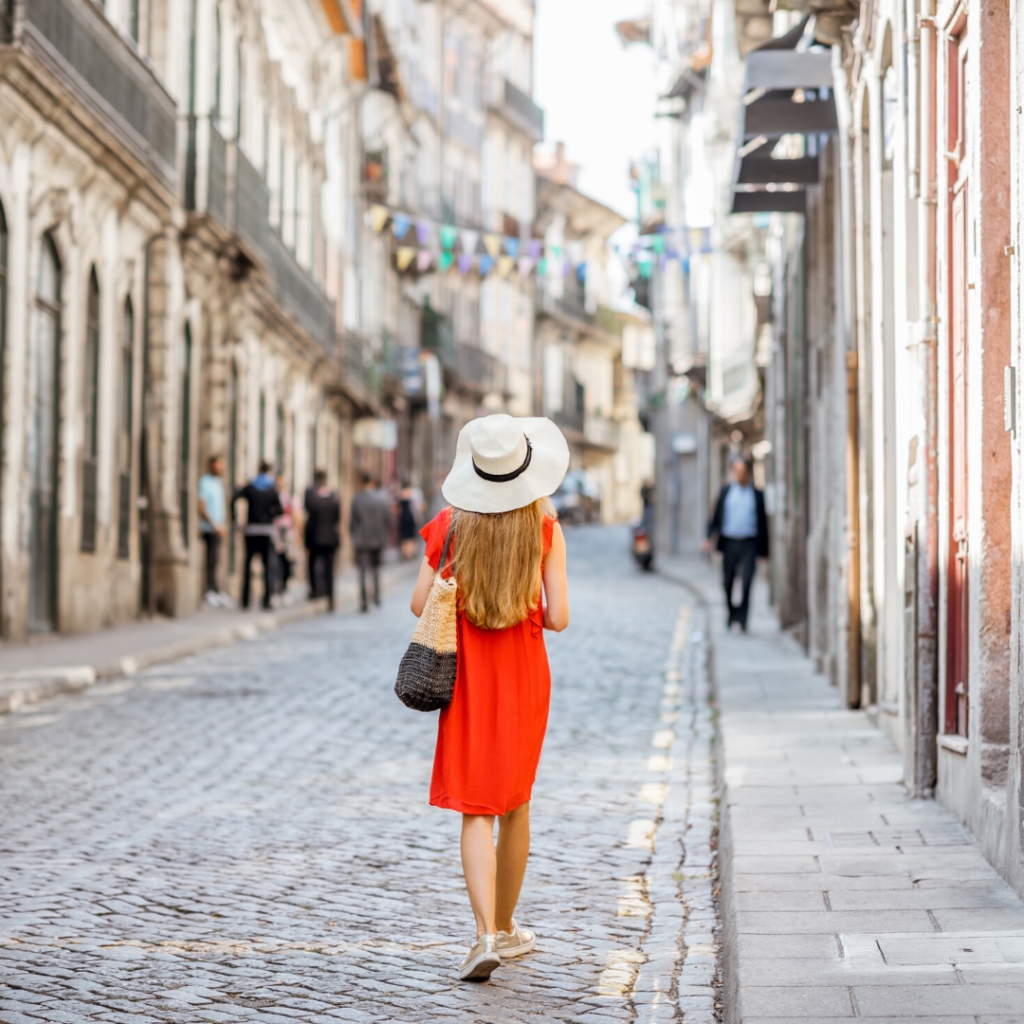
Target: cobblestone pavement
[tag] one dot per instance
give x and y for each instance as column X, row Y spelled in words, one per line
column 245, row 834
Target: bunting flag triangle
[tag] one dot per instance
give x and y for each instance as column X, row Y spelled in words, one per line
column 465, row 262
column 492, row 243
column 486, row 262
column 423, row 229
column 423, row 260
column 658, row 244
column 445, row 261
column 525, row 266
column 404, row 256
column 505, row 265
column 555, row 252
column 378, row 218
column 400, row 224
column 448, row 236
column 469, row 240
column 512, row 247
column 535, row 248
column 542, row 267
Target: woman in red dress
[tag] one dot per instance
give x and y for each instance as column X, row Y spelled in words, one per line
column 506, row 548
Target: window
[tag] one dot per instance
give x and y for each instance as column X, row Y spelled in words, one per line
column 263, row 427
column 124, row 431
column 218, row 42
column 192, row 57
column 43, row 442
column 90, row 413
column 133, row 19
column 186, row 435
column 239, row 91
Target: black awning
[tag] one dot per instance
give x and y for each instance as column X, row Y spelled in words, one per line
column 786, row 117
column 764, row 201
column 756, row 170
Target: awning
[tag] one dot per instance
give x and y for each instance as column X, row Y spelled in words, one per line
column 786, row 92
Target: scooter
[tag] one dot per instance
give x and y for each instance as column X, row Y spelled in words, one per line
column 643, row 549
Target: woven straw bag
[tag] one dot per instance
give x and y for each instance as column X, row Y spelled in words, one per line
column 426, row 675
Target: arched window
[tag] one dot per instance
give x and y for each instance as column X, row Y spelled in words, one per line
column 90, row 412
column 186, row 435
column 42, row 442
column 124, row 431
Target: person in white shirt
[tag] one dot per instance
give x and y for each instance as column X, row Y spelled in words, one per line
column 212, row 523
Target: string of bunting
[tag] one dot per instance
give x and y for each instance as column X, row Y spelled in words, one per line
column 425, row 242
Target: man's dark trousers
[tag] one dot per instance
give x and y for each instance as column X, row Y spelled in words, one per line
column 212, row 541
column 738, row 553
column 258, row 546
column 321, row 572
column 369, row 559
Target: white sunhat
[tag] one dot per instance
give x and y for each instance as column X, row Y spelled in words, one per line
column 506, row 462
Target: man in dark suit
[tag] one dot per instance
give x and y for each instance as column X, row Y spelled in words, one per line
column 322, row 536
column 369, row 523
column 741, row 525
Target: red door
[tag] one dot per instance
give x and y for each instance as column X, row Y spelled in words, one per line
column 957, row 690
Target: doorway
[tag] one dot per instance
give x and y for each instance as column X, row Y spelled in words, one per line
column 42, row 444
column 958, row 158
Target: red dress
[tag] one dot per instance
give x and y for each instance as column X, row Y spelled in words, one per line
column 490, row 736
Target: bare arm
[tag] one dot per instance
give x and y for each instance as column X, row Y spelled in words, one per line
column 556, row 587
column 423, row 584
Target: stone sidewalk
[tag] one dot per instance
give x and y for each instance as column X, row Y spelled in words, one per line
column 842, row 897
column 34, row 671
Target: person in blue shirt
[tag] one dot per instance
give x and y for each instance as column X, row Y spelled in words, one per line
column 741, row 525
column 212, row 524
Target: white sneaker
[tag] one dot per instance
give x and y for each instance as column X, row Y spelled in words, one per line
column 481, row 960
column 213, row 598
column 517, row 942
column 226, row 600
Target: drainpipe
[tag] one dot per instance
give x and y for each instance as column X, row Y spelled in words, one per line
column 927, row 681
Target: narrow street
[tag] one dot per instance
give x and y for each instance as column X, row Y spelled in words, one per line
column 245, row 834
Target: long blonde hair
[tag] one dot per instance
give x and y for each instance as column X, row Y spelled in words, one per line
column 498, row 561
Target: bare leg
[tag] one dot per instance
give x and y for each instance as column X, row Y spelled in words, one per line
column 479, row 865
column 513, row 849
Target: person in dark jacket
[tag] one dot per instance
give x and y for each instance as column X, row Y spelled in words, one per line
column 741, row 525
column 263, row 507
column 369, row 524
column 322, row 536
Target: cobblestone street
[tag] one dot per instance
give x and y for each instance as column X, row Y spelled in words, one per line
column 245, row 834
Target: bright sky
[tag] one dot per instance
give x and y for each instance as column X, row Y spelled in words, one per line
column 598, row 97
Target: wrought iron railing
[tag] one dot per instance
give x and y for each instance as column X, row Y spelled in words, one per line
column 519, row 108
column 206, row 169
column 474, row 368
column 248, row 201
column 300, row 294
column 95, row 63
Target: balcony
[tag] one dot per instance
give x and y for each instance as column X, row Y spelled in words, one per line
column 476, row 370
column 461, row 129
column 206, row 170
column 248, row 203
column 600, row 431
column 300, row 294
column 91, row 60
column 515, row 107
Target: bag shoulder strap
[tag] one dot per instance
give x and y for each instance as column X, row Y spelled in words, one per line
column 447, row 544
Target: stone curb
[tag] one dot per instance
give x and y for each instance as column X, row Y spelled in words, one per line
column 29, row 686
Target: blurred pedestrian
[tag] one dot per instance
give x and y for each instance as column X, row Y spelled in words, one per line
column 284, row 537
column 408, row 512
column 322, row 536
column 213, row 525
column 506, row 545
column 741, row 525
column 263, row 507
column 369, row 524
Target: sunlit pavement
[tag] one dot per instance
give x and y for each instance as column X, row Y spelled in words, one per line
column 245, row 834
